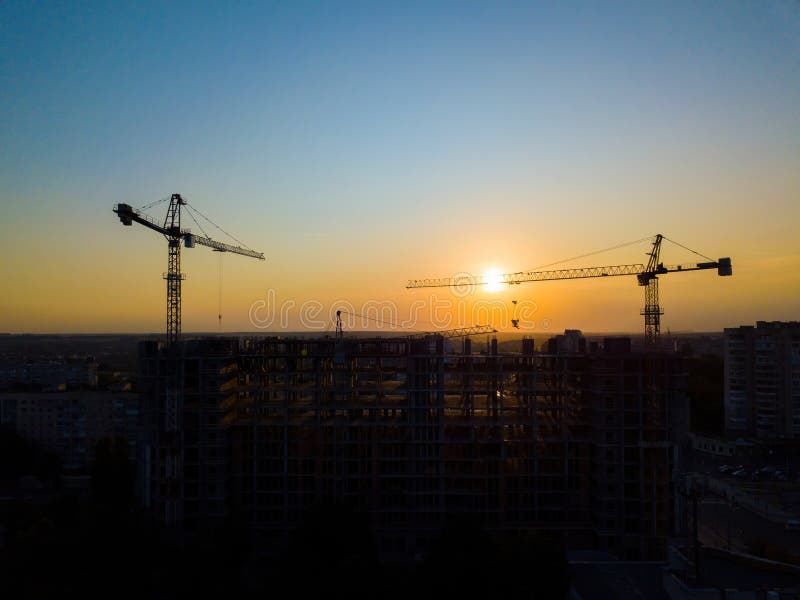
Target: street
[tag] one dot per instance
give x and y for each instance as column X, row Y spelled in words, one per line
column 726, row 526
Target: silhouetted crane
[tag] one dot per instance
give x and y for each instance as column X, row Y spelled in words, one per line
column 646, row 275
column 445, row 333
column 171, row 229
column 458, row 332
column 169, row 441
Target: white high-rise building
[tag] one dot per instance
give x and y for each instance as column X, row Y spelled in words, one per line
column 762, row 380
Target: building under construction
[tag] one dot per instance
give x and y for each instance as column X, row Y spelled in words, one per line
column 580, row 444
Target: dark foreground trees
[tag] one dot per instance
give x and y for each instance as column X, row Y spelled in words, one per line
column 467, row 562
column 97, row 545
column 334, row 553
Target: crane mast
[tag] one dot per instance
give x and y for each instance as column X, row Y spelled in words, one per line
column 646, row 275
column 172, row 231
column 652, row 311
column 173, row 276
column 169, row 442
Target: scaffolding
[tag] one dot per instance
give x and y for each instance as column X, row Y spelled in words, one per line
column 577, row 445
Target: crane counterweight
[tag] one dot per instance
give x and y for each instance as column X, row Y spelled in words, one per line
column 646, row 276
column 171, row 229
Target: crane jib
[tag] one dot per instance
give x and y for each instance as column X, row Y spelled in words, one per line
column 172, row 230
column 646, row 276
column 127, row 215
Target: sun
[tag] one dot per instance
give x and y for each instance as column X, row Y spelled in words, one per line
column 494, row 280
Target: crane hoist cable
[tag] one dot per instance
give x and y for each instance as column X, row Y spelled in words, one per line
column 219, row 299
column 219, row 269
column 176, row 237
column 646, row 275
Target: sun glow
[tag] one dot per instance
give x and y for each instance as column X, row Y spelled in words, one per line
column 494, row 280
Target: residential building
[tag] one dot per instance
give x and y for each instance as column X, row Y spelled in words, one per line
column 69, row 424
column 762, row 380
column 579, row 445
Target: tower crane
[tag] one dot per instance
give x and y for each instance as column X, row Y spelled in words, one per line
column 458, row 332
column 171, row 229
column 169, row 441
column 445, row 333
column 646, row 276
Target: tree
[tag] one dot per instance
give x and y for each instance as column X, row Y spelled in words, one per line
column 112, row 475
column 467, row 562
column 334, row 542
column 19, row 457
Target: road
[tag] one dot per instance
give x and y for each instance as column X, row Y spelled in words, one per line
column 726, row 527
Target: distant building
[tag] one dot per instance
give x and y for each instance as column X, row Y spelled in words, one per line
column 724, row 447
column 581, row 445
column 69, row 424
column 762, row 380
column 51, row 374
column 571, row 340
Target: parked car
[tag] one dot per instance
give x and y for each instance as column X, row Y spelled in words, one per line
column 740, row 473
column 724, row 468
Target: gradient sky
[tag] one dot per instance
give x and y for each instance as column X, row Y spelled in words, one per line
column 362, row 144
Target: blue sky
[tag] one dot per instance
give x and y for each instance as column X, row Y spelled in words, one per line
column 319, row 131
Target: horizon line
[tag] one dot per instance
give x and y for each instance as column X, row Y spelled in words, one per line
column 351, row 331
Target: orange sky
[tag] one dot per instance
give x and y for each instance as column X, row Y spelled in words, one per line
column 112, row 282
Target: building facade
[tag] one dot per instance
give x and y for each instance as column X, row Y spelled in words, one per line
column 54, row 374
column 70, row 424
column 578, row 445
column 762, row 380
column 185, row 467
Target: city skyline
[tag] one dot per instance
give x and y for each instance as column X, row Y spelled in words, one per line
column 359, row 146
